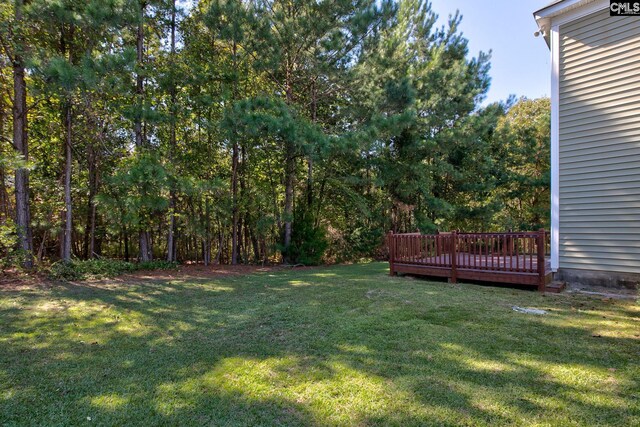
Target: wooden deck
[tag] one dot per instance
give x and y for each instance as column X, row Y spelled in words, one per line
column 516, row 258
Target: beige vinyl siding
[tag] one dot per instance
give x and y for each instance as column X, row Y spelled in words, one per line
column 600, row 143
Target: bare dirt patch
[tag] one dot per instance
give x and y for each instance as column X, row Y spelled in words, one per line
column 14, row 280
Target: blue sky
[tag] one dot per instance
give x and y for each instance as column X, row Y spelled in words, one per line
column 520, row 62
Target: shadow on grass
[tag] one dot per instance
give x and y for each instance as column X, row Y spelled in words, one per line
column 340, row 345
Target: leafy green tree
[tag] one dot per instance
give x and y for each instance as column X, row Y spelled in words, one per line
column 522, row 143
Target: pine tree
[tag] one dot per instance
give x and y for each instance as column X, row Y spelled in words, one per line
column 421, row 86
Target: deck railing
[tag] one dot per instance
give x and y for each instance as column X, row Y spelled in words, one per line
column 520, row 253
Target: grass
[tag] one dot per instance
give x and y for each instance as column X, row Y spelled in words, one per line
column 344, row 345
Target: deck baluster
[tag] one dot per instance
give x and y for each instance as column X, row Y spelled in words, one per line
column 517, row 247
column 531, row 255
column 493, row 252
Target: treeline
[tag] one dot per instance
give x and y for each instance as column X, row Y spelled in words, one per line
column 238, row 131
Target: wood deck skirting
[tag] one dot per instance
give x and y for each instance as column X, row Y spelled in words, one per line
column 516, row 258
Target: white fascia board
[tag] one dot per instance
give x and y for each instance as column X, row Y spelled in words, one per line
column 579, row 12
column 554, row 35
column 557, row 8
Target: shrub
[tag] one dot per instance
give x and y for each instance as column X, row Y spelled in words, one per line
column 64, row 271
column 308, row 241
column 10, row 255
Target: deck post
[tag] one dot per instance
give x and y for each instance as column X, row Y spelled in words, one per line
column 453, row 254
column 392, row 252
column 541, row 261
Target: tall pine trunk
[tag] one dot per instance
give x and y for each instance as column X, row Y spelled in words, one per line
column 171, row 240
column 314, row 117
column 90, row 229
column 4, row 195
column 144, row 239
column 234, row 201
column 207, row 234
column 288, row 197
column 140, row 78
column 125, row 238
column 65, row 247
column 243, row 221
column 234, row 170
column 20, row 143
column 66, row 49
column 289, row 170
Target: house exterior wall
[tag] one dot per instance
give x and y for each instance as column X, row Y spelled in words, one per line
column 599, row 144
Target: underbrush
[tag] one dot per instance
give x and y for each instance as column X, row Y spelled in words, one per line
column 99, row 268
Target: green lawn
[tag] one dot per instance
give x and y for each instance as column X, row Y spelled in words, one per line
column 343, row 345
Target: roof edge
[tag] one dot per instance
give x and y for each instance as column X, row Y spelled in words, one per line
column 545, row 10
column 546, row 15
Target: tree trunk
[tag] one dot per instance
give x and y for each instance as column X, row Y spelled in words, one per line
column 4, row 194
column 90, row 231
column 243, row 225
column 254, row 243
column 140, row 134
column 140, row 78
column 171, row 245
column 314, row 116
column 65, row 247
column 234, row 171
column 220, row 245
column 145, row 247
column 20, row 143
column 234, row 201
column 207, row 234
column 288, row 198
column 289, row 176
column 125, row 236
column 66, row 49
column 42, row 244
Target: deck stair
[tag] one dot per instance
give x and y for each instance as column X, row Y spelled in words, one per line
column 556, row 287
